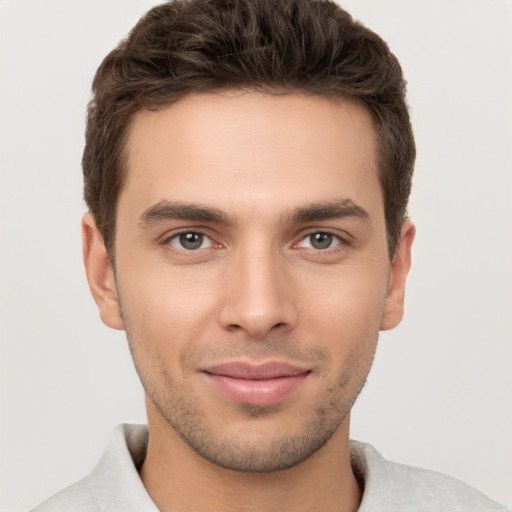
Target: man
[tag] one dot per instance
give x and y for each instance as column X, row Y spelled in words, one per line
column 247, row 169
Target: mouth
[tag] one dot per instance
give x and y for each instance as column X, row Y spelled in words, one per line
column 256, row 384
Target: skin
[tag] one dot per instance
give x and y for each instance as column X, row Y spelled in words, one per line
column 258, row 288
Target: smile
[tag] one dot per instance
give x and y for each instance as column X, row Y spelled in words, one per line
column 258, row 385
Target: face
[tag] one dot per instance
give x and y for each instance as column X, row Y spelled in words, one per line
column 252, row 273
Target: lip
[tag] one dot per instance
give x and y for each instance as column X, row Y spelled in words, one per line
column 256, row 384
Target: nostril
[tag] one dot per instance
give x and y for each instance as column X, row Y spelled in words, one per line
column 279, row 324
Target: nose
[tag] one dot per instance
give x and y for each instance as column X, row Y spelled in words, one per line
column 259, row 296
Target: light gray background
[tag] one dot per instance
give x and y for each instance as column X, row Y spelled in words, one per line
column 440, row 392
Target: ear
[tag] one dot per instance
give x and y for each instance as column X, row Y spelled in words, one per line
column 100, row 274
column 394, row 307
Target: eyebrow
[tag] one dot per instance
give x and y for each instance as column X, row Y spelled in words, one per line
column 166, row 210
column 329, row 210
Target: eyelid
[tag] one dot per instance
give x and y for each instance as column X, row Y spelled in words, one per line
column 336, row 242
column 343, row 237
column 175, row 234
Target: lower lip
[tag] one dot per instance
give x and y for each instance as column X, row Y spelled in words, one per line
column 256, row 392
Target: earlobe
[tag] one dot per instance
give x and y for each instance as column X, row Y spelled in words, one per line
column 394, row 307
column 100, row 274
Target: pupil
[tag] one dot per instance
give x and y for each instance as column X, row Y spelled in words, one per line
column 191, row 240
column 321, row 240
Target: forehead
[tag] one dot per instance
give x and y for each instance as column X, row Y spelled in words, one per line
column 242, row 149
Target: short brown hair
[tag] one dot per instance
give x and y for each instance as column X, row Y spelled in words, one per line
column 274, row 46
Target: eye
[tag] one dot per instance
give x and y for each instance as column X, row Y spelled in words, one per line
column 320, row 241
column 190, row 241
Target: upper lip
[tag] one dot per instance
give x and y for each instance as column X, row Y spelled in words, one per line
column 255, row 371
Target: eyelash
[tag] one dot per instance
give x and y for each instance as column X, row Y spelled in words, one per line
column 176, row 236
column 341, row 241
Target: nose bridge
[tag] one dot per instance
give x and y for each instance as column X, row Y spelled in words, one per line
column 258, row 296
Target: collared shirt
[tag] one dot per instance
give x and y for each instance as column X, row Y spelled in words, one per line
column 114, row 484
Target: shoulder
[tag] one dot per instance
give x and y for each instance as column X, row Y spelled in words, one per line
column 114, row 483
column 77, row 497
column 397, row 487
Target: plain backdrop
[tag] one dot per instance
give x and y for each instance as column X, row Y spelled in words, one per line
column 439, row 394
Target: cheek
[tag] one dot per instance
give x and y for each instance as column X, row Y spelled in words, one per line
column 346, row 310
column 359, row 285
column 166, row 307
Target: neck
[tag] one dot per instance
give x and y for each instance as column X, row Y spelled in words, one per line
column 177, row 478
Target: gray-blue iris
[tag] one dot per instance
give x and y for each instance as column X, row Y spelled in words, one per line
column 321, row 240
column 191, row 241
